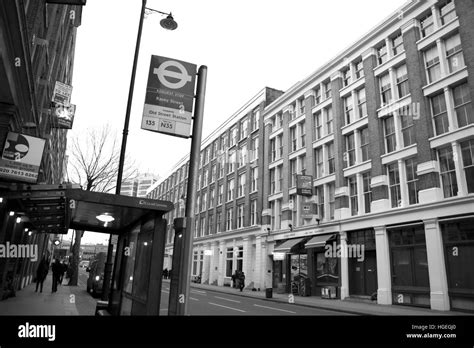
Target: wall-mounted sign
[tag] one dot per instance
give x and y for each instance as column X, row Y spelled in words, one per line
column 304, row 185
column 21, row 157
column 62, row 94
column 169, row 97
column 63, row 116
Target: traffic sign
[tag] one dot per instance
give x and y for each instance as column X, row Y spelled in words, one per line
column 169, row 97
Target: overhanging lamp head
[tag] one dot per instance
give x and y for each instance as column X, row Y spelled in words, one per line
column 169, row 23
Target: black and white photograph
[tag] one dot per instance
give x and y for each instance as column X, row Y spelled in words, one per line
column 252, row 172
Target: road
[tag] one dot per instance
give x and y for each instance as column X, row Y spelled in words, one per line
column 207, row 302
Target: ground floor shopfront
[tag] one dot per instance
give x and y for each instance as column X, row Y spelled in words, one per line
column 415, row 256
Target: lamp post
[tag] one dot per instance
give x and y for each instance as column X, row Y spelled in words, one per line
column 167, row 23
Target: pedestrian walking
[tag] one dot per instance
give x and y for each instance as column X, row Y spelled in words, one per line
column 165, row 273
column 241, row 281
column 41, row 273
column 235, row 278
column 63, row 270
column 57, row 269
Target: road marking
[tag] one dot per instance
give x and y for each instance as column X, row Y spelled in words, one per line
column 192, row 298
column 202, row 293
column 235, row 309
column 227, row 299
column 165, row 291
column 194, row 290
column 276, row 309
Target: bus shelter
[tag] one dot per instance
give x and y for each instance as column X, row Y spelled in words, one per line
column 138, row 233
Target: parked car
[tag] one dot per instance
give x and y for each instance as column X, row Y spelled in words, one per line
column 96, row 269
column 84, row 264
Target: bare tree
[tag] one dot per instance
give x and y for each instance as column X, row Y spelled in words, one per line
column 93, row 163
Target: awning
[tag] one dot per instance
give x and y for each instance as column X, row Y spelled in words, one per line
column 286, row 247
column 320, row 241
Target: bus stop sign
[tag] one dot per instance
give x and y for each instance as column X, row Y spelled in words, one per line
column 169, row 97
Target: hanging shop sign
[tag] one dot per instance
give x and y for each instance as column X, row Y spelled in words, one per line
column 62, row 94
column 63, row 116
column 21, row 157
column 304, row 185
column 169, row 97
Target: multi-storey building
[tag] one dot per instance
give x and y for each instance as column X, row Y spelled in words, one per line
column 138, row 186
column 386, row 130
column 37, row 42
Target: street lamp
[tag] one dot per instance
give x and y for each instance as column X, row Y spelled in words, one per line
column 167, row 23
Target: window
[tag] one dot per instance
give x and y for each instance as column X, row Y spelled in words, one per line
column 218, row 221
column 318, row 125
column 327, row 90
column 389, row 130
column 467, row 149
column 349, row 157
column 210, row 224
column 221, row 165
column 318, row 160
column 385, row 89
column 462, row 105
column 394, row 185
column 240, row 216
column 279, row 120
column 301, row 103
column 241, row 185
column 447, row 11
column 280, row 177
column 230, row 190
column 205, row 178
column 348, row 109
column 293, row 140
column 272, row 181
column 432, row 64
column 229, row 266
column 332, row 201
column 228, row 224
column 329, row 120
column 198, row 203
column 412, row 181
column 331, row 163
column 439, row 113
column 407, row 129
column 231, row 162
column 273, row 149
column 402, row 81
column 303, row 134
column 255, row 119
column 291, row 111
column 272, row 219
column 361, row 102
column 213, row 172
column 233, row 136
column 427, row 25
column 244, row 128
column 317, row 95
column 346, row 77
column 454, row 53
column 223, row 143
column 243, row 155
column 254, row 179
column 302, row 161
column 214, row 149
column 212, row 196
column 359, row 69
column 293, row 172
column 367, row 191
column 280, row 145
column 448, row 172
column 320, row 203
column 254, row 150
column 240, row 258
column 382, row 54
column 253, row 212
column 220, row 193
column 364, row 143
column 204, row 201
column 353, row 200
column 397, row 44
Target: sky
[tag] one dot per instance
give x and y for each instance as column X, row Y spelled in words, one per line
column 247, row 45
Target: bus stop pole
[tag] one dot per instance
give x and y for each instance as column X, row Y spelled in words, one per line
column 183, row 246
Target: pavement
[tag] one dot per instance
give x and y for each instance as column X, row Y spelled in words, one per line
column 68, row 300
column 353, row 306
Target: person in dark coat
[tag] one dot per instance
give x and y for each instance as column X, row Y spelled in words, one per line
column 64, row 269
column 41, row 273
column 57, row 269
column 241, row 281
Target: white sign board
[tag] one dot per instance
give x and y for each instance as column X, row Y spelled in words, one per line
column 62, row 94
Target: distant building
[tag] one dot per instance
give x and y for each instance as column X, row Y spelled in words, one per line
column 138, row 186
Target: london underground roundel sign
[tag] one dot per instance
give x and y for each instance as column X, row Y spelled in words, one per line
column 169, row 97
